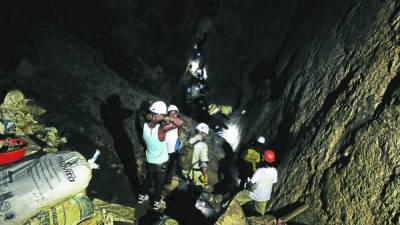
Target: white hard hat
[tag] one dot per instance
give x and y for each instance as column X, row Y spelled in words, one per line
column 159, row 107
column 202, row 127
column 261, row 140
column 172, row 108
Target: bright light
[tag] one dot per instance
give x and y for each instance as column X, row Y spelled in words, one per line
column 232, row 135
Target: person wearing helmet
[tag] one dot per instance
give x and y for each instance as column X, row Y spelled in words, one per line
column 251, row 157
column 154, row 133
column 259, row 187
column 173, row 144
column 198, row 175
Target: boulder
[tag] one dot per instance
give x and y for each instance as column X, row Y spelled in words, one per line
column 233, row 215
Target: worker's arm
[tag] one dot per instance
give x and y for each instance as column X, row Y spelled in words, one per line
column 204, row 161
column 175, row 120
column 205, row 175
column 251, row 185
column 173, row 123
column 154, row 117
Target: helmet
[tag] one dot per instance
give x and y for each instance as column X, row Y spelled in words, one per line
column 172, row 108
column 261, row 140
column 202, row 127
column 158, row 107
column 269, row 156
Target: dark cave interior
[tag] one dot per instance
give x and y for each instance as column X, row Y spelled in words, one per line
column 318, row 79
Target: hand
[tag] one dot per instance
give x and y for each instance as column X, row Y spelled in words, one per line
column 250, row 186
column 167, row 119
column 254, row 187
column 158, row 117
column 203, row 179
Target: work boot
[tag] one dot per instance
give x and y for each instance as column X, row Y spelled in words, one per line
column 142, row 198
column 157, row 205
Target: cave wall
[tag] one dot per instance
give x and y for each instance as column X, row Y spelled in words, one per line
column 148, row 42
column 333, row 69
column 320, row 79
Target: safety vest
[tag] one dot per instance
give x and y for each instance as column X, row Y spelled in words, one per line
column 252, row 157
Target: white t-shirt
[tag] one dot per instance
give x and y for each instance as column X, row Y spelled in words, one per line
column 170, row 139
column 264, row 179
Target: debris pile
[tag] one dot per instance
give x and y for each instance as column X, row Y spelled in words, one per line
column 53, row 182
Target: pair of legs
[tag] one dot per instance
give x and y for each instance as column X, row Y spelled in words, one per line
column 173, row 167
column 243, row 197
column 155, row 173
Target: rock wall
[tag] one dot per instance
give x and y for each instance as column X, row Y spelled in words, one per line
column 333, row 70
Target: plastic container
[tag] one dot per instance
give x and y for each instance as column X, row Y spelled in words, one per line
column 14, row 155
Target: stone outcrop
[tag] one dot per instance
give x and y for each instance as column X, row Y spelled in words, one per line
column 233, row 215
column 334, row 108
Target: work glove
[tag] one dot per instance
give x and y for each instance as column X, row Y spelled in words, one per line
column 204, row 179
column 250, row 185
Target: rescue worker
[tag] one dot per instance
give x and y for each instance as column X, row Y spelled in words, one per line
column 251, row 157
column 197, row 174
column 195, row 101
column 195, row 90
column 173, row 144
column 154, row 133
column 259, row 188
column 201, row 73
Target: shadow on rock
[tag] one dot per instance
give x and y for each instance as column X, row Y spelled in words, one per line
column 227, row 171
column 113, row 116
column 181, row 207
column 140, row 115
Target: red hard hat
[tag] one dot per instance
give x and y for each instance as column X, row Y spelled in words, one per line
column 269, row 155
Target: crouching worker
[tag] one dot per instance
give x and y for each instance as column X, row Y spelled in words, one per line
column 259, row 188
column 193, row 157
column 154, row 132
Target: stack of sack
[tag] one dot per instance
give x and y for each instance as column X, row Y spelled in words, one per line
column 45, row 186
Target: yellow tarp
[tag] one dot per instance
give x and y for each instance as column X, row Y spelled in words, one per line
column 18, row 109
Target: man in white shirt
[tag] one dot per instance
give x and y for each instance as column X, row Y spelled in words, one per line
column 173, row 143
column 259, row 188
